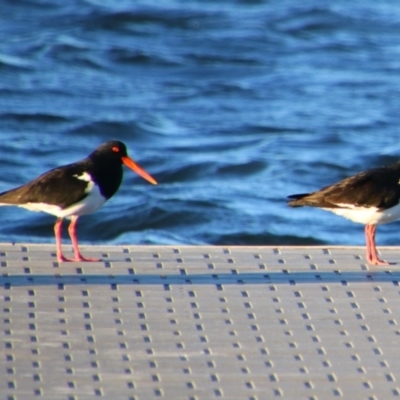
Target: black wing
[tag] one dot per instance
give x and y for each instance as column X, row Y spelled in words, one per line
column 59, row 186
column 377, row 187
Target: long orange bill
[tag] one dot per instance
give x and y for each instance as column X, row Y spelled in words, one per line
column 139, row 170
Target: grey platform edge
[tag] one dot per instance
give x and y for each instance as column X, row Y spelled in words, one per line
column 199, row 322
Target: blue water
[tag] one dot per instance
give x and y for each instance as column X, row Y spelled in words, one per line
column 231, row 105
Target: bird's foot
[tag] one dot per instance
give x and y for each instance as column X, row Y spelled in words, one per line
column 378, row 261
column 88, row 259
column 61, row 258
column 78, row 258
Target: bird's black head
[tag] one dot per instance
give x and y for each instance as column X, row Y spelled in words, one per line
column 115, row 151
column 112, row 149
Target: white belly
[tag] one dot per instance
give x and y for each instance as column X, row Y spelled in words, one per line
column 367, row 215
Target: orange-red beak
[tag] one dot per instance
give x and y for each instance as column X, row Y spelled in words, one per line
column 139, row 170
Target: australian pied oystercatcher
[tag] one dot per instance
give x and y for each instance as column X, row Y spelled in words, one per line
column 371, row 197
column 76, row 189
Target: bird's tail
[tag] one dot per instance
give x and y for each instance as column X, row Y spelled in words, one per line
column 297, row 200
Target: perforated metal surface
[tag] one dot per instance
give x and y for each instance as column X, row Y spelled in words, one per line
column 199, row 323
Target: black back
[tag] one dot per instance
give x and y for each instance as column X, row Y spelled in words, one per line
column 378, row 187
column 62, row 187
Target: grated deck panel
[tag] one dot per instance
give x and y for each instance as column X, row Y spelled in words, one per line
column 199, row 322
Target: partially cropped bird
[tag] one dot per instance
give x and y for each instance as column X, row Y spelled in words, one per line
column 371, row 197
column 76, row 189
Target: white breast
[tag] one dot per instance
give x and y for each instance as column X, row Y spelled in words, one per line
column 367, row 215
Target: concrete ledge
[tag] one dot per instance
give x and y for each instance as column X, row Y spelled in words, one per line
column 199, row 322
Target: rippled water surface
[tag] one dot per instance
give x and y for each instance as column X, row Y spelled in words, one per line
column 231, row 105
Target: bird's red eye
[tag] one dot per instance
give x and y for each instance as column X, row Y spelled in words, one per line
column 115, row 149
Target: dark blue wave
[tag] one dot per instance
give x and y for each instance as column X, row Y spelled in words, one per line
column 231, row 105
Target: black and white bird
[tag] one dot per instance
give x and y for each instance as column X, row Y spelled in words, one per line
column 76, row 189
column 371, row 197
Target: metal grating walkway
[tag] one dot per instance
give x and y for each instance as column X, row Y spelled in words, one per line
column 154, row 322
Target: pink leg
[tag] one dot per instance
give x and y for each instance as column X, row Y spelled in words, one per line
column 57, row 232
column 74, row 239
column 372, row 254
